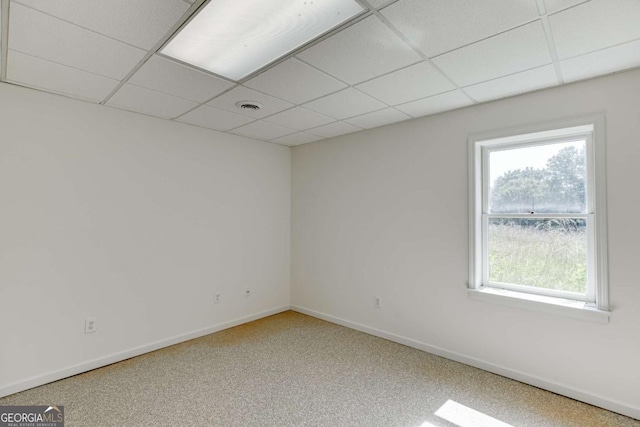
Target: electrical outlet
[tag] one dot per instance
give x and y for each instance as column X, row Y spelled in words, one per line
column 90, row 325
column 377, row 302
column 217, row 299
column 247, row 293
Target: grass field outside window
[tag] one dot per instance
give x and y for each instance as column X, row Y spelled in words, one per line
column 540, row 253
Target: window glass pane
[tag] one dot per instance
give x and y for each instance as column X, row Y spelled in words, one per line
column 544, row 253
column 542, row 179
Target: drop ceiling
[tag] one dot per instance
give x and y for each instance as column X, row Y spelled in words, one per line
column 398, row 60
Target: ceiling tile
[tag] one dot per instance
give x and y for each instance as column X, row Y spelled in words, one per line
column 556, row 5
column 437, row 26
column 295, row 81
column 378, row 118
column 214, row 118
column 299, row 118
column 346, row 103
column 595, row 25
column 601, row 62
column 270, row 105
column 175, row 79
column 41, row 74
column 363, row 51
column 377, row 4
column 263, row 130
column 507, row 53
column 435, row 104
column 414, row 82
column 514, row 84
column 334, row 129
column 135, row 98
column 297, row 139
column 141, row 23
column 43, row 36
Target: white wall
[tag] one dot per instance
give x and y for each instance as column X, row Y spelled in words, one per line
column 134, row 220
column 384, row 212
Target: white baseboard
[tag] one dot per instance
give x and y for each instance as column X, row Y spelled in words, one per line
column 596, row 400
column 562, row 389
column 6, row 390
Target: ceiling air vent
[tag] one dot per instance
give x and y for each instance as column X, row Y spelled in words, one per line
column 249, row 105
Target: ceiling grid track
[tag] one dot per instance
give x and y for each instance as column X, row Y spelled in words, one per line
column 392, row 27
column 74, row 24
column 205, row 102
column 126, row 78
column 238, row 83
column 375, row 70
column 306, row 46
column 278, row 61
column 544, row 18
column 542, row 10
column 185, row 17
column 552, row 47
column 350, row 86
column 4, row 39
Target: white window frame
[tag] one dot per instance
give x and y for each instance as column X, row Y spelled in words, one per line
column 594, row 305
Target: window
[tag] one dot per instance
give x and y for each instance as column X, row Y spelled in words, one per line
column 538, row 216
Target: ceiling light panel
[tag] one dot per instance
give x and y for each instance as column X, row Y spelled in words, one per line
column 235, row 38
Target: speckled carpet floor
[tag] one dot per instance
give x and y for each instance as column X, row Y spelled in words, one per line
column 294, row 370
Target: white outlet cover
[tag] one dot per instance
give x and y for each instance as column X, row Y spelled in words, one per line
column 90, row 325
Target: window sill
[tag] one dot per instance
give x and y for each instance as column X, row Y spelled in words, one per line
column 562, row 307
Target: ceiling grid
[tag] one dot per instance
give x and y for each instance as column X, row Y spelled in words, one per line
column 4, row 38
column 419, row 52
column 547, row 32
column 397, row 60
column 194, row 7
